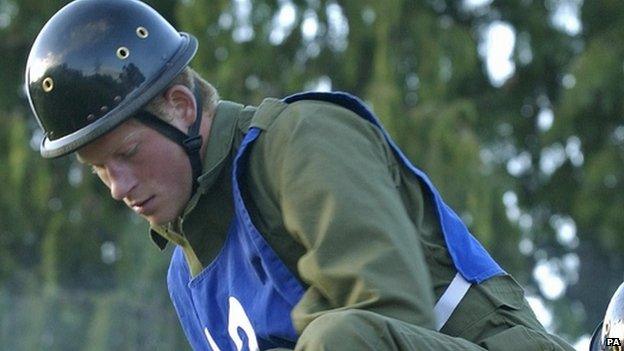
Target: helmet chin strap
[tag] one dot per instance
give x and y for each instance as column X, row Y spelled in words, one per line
column 191, row 142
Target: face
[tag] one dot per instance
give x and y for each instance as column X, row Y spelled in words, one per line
column 142, row 168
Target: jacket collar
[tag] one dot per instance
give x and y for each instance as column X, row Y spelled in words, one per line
column 218, row 147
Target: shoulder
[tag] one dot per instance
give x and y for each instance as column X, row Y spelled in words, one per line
column 312, row 135
column 281, row 121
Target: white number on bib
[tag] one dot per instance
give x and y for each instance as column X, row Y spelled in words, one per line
column 237, row 318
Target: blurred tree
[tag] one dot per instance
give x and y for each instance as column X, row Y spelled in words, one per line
column 590, row 125
column 531, row 161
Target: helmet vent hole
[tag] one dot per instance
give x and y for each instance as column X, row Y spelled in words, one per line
column 142, row 32
column 123, row 52
column 48, row 84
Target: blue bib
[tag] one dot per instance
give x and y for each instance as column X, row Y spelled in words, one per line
column 470, row 258
column 243, row 299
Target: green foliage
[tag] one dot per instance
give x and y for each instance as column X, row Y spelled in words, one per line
column 90, row 279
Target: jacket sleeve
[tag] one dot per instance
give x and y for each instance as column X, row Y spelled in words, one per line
column 336, row 184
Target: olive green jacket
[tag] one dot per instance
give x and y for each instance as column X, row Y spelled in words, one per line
column 329, row 196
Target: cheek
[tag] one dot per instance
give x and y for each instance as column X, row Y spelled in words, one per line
column 171, row 168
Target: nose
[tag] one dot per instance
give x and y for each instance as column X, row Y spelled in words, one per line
column 121, row 181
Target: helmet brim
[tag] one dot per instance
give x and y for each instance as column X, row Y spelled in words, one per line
column 596, row 343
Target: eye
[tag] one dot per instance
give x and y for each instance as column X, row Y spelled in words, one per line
column 130, row 151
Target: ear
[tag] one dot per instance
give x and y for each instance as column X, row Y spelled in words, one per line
column 181, row 106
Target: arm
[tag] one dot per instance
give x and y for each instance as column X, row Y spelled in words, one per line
column 336, row 189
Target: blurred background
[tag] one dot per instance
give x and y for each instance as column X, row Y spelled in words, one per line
column 513, row 107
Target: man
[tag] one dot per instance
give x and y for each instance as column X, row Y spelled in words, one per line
column 298, row 224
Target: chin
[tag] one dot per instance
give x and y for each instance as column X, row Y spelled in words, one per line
column 156, row 220
column 162, row 216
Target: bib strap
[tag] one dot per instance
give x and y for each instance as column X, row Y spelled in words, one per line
column 449, row 301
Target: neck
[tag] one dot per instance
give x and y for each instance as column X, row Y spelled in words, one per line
column 204, row 129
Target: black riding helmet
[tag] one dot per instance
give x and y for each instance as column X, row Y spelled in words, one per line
column 97, row 63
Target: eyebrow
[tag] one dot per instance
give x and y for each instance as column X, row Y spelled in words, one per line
column 123, row 142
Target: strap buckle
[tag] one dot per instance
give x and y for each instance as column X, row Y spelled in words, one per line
column 193, row 144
